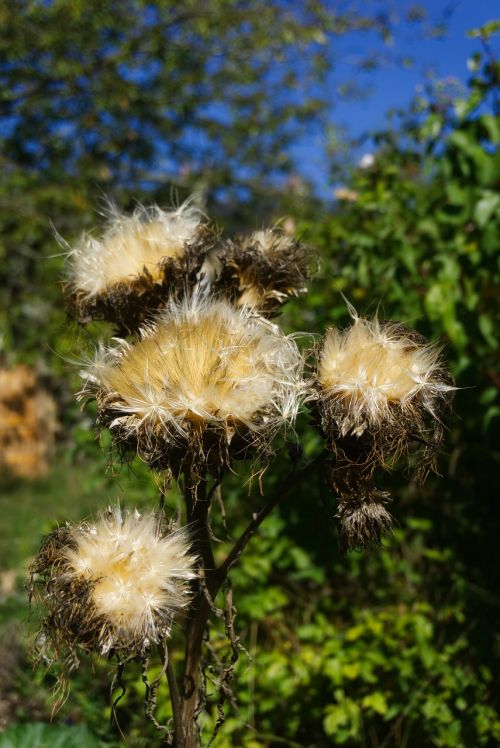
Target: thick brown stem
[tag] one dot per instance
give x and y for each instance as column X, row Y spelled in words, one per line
column 176, row 705
column 197, row 504
column 192, row 673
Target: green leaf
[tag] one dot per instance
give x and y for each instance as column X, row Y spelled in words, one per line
column 488, row 329
column 376, row 701
column 486, row 208
column 40, row 735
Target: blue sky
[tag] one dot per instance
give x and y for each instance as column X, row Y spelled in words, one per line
column 395, row 86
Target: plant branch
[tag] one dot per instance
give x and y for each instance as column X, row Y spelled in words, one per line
column 176, row 704
column 197, row 507
column 286, row 488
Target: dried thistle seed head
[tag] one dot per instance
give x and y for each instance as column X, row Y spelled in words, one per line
column 269, row 267
column 362, row 512
column 132, row 244
column 113, row 584
column 202, row 379
column 137, row 260
column 374, row 374
column 364, row 522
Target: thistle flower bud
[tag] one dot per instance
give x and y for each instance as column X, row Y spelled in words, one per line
column 268, row 267
column 113, row 585
column 202, row 383
column 137, row 262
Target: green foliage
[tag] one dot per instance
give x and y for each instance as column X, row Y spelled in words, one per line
column 420, row 244
column 361, row 651
column 40, row 735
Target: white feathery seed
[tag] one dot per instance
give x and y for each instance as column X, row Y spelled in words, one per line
column 202, row 360
column 138, row 575
column 269, row 240
column 372, row 367
column 130, row 243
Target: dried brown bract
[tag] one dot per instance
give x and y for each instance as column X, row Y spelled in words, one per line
column 267, row 268
column 204, row 382
column 362, row 508
column 363, row 523
column 112, row 586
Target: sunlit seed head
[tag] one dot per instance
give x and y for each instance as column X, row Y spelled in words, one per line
column 131, row 247
column 132, row 578
column 270, row 242
column 376, row 371
column 201, row 362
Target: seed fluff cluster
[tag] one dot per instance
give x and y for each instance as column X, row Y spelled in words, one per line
column 198, row 376
column 113, row 585
column 380, row 388
column 138, row 260
column 202, row 382
column 380, row 375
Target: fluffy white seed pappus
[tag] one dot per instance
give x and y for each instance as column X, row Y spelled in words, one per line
column 130, row 246
column 376, row 372
column 202, row 365
column 114, row 584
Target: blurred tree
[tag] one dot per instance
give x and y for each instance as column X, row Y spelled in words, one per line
column 138, row 93
column 132, row 98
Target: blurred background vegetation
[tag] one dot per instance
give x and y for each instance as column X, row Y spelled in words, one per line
column 395, row 647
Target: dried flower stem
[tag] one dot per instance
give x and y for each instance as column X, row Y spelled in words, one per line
column 186, row 700
column 176, row 704
column 197, row 506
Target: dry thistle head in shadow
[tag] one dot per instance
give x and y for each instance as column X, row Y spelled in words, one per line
column 380, row 392
column 265, row 269
column 137, row 263
column 203, row 383
column 110, row 586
